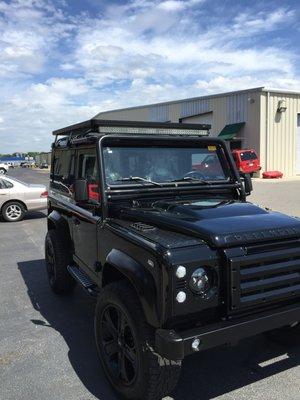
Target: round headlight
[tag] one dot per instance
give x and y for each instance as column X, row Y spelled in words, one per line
column 202, row 282
column 181, row 297
column 180, row 272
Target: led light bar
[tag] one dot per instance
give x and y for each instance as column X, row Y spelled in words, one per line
column 133, row 127
column 151, row 131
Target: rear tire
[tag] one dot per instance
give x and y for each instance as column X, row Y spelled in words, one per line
column 2, row 171
column 13, row 211
column 57, row 260
column 125, row 344
column 288, row 335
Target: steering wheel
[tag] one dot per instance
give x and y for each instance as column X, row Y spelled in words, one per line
column 195, row 174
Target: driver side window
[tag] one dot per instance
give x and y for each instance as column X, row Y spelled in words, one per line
column 88, row 170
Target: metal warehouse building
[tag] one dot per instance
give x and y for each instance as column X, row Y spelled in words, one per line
column 265, row 120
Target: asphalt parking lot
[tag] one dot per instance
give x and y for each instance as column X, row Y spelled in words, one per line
column 46, row 342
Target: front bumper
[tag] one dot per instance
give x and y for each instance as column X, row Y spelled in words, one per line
column 176, row 345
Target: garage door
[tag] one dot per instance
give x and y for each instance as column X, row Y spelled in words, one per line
column 298, row 146
column 199, row 119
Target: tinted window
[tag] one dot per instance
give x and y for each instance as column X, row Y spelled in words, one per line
column 88, row 170
column 248, row 155
column 4, row 184
column 62, row 176
column 162, row 164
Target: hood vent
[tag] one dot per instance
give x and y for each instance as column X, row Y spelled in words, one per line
column 142, row 227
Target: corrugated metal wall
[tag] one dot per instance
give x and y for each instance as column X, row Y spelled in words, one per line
column 131, row 114
column 277, row 149
column 226, row 109
column 278, row 132
column 159, row 113
column 194, row 107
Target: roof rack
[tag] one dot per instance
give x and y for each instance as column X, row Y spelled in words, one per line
column 104, row 127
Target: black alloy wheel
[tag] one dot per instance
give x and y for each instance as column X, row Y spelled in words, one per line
column 118, row 345
column 126, row 346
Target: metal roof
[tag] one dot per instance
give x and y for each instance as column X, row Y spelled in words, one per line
column 210, row 96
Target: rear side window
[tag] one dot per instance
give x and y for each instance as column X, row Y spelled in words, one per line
column 4, row 184
column 63, row 172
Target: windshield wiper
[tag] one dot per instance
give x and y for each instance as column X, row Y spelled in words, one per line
column 138, row 179
column 190, row 178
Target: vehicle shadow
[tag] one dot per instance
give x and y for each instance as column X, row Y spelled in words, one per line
column 30, row 215
column 222, row 370
column 204, row 376
column 72, row 316
column 35, row 215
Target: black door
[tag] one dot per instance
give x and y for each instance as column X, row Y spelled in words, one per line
column 87, row 215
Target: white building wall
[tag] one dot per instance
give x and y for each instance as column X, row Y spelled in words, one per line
column 279, row 132
column 272, row 135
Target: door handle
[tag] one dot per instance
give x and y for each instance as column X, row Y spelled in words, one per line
column 76, row 221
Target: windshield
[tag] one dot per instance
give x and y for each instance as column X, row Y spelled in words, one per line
column 132, row 165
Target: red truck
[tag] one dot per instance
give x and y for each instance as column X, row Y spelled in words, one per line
column 246, row 160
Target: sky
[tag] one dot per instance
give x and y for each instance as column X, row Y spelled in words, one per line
column 63, row 61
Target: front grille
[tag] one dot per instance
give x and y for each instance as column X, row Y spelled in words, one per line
column 260, row 279
column 181, row 284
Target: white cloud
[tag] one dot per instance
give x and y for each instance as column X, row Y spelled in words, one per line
column 57, row 69
column 29, row 32
column 262, row 21
column 177, row 5
column 172, row 5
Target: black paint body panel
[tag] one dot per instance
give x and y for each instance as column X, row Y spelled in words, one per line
column 143, row 235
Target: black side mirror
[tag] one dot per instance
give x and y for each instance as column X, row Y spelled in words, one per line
column 80, row 190
column 246, row 178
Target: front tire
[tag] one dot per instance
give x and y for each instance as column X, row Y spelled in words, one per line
column 13, row 211
column 125, row 344
column 2, row 171
column 57, row 260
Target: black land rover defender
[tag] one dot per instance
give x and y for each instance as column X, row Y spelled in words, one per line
column 152, row 220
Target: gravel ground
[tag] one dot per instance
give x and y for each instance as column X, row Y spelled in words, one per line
column 46, row 342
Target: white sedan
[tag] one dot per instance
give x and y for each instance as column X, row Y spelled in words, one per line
column 3, row 168
column 16, row 198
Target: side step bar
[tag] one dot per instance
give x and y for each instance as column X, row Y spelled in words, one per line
column 82, row 278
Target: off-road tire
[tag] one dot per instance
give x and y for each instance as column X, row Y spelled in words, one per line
column 7, row 211
column 288, row 335
column 2, row 171
column 60, row 281
column 156, row 376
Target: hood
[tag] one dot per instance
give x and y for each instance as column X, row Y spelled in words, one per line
column 220, row 224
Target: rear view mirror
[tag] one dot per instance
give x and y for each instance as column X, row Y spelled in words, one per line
column 80, row 190
column 246, row 179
